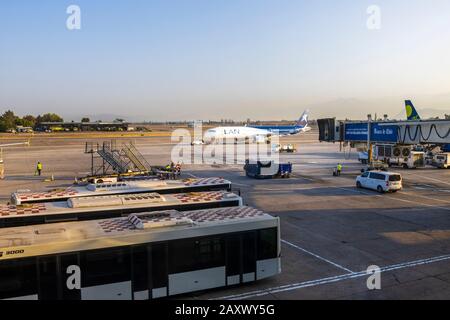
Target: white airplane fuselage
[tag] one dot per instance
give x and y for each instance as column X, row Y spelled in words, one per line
column 236, row 133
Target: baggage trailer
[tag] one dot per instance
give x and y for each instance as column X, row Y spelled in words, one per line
column 102, row 207
column 124, row 187
column 267, row 170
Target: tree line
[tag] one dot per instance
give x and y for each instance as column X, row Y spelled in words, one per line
column 9, row 121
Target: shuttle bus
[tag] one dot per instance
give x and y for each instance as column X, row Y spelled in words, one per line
column 142, row 256
column 124, row 187
column 102, row 207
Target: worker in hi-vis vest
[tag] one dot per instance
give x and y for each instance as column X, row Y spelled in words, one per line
column 39, row 168
column 339, row 169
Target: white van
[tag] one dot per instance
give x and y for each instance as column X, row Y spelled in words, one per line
column 380, row 181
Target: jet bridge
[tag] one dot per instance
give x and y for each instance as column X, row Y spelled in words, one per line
column 423, row 132
column 395, row 132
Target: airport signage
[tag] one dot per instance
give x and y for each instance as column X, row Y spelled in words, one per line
column 355, row 132
column 358, row 132
column 384, row 133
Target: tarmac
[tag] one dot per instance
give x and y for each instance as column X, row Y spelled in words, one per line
column 331, row 231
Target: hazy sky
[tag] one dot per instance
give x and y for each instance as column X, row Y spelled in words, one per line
column 202, row 59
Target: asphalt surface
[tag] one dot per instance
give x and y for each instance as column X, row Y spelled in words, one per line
column 331, row 231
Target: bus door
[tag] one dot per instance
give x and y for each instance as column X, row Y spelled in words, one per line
column 233, row 260
column 159, row 282
column 241, row 258
column 249, row 256
column 140, row 280
column 48, row 288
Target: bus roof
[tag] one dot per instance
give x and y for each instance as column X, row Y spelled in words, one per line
column 38, row 240
column 114, row 202
column 125, row 187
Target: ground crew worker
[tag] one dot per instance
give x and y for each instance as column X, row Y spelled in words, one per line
column 167, row 173
column 39, row 168
column 178, row 169
column 339, row 169
column 172, row 171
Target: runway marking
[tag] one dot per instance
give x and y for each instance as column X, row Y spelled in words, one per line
column 317, row 256
column 328, row 280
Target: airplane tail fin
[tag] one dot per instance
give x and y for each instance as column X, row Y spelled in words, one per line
column 303, row 121
column 411, row 112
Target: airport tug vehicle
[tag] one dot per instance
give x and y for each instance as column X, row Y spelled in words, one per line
column 267, row 169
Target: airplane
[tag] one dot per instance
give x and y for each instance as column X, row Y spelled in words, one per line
column 300, row 127
column 411, row 112
column 236, row 133
column 257, row 133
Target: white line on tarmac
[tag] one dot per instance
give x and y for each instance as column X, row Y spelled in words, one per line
column 434, row 199
column 317, row 282
column 299, row 189
column 396, row 199
column 434, row 179
column 317, row 256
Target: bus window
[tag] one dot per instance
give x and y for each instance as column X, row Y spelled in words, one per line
column 210, row 253
column 182, row 256
column 267, row 244
column 105, row 267
column 18, row 279
column 196, row 254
